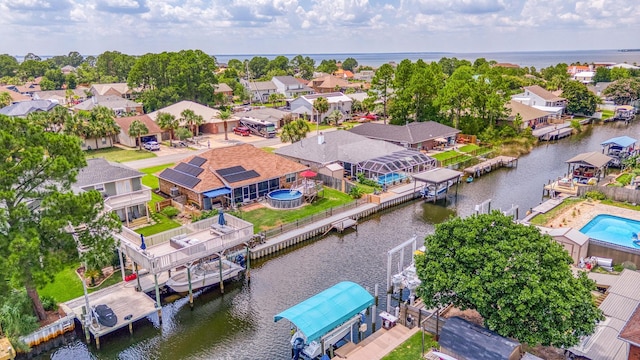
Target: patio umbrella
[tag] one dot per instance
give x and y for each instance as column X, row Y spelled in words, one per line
column 221, row 218
column 308, row 174
column 143, row 246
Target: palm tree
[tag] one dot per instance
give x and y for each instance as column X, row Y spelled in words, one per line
column 5, row 99
column 57, row 118
column 224, row 116
column 321, row 106
column 137, row 129
column 103, row 123
column 168, row 122
column 76, row 123
column 192, row 120
column 295, row 131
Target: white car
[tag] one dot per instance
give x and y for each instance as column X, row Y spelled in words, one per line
column 152, row 145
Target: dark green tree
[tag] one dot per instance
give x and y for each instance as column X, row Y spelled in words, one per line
column 623, row 91
column 579, row 99
column 519, row 280
column 602, row 75
column 350, row 64
column 137, row 129
column 115, row 65
column 295, row 131
column 328, row 66
column 281, row 64
column 258, row 67
column 8, row 65
column 382, row 84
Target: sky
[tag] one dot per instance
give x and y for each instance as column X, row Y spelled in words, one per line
column 222, row 27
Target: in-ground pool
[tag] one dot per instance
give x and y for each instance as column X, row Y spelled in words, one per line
column 285, row 199
column 388, row 179
column 613, row 229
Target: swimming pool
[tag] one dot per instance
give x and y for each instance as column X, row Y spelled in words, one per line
column 285, row 199
column 612, row 229
column 389, row 178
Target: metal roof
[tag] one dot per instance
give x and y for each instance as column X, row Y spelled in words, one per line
column 437, row 176
column 471, row 341
column 623, row 141
column 325, row 311
column 594, row 159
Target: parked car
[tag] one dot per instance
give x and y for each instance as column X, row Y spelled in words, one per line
column 241, row 130
column 152, row 145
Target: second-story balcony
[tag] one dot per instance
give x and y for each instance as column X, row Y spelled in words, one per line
column 115, row 202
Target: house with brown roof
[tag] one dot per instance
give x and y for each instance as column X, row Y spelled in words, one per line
column 416, row 135
column 330, row 83
column 211, row 117
column 542, row 99
column 154, row 134
column 15, row 95
column 225, row 90
column 531, row 117
column 117, row 89
column 229, row 175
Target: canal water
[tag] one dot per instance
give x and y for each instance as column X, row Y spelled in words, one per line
column 239, row 324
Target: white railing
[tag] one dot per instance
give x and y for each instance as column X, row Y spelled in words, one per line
column 133, row 198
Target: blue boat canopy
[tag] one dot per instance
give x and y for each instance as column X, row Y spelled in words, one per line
column 217, row 192
column 623, row 141
column 322, row 313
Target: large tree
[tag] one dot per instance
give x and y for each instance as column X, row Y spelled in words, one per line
column 519, row 280
column 579, row 99
column 137, row 129
column 8, row 65
column 294, row 131
column 38, row 209
column 321, row 106
column 224, row 116
column 623, row 91
column 192, row 120
column 381, row 83
column 169, row 123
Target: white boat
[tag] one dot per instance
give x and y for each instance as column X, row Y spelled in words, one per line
column 204, row 274
column 429, row 191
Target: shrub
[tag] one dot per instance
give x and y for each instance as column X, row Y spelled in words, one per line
column 170, row 212
column 204, row 215
column 595, row 195
column 618, row 267
column 49, row 303
column 629, row 265
column 356, row 192
column 364, row 181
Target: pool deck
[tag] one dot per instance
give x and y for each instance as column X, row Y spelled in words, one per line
column 586, row 211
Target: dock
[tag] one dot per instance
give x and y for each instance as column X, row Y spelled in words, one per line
column 491, row 164
column 343, row 224
column 554, row 132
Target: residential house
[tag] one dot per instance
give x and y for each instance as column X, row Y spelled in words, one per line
column 464, row 340
column 225, row 90
column 329, row 84
column 630, row 334
column 585, row 77
column 619, row 305
column 542, row 99
column 290, row 87
column 260, row 90
column 154, row 134
column 355, row 154
column 303, row 105
column 62, row 97
column 121, row 187
column 212, row 122
column 271, row 115
column 364, row 75
column 416, row 135
column 116, row 89
column 572, row 70
column 24, row 108
column 68, row 69
column 15, row 95
column 230, row 175
column 531, row 117
column 119, row 105
column 575, row 242
column 624, row 66
column 343, row 74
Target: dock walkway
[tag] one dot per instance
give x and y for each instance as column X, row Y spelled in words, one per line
column 380, row 343
column 490, row 164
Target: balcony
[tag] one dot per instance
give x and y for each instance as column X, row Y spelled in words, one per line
column 129, row 199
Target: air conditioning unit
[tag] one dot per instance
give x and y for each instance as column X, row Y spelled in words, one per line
column 174, row 192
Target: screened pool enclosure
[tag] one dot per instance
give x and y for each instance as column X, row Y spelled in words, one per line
column 395, row 167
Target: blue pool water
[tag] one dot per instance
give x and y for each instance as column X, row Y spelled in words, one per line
column 613, row 229
column 390, row 178
column 285, row 194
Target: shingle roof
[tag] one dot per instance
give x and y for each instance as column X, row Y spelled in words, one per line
column 101, row 89
column 100, row 171
column 527, row 112
column 287, row 80
column 176, row 109
column 26, row 107
column 262, row 85
column 411, row 133
column 631, row 331
column 125, row 123
column 222, row 88
column 475, row 342
column 594, row 158
column 15, row 96
column 338, row 146
column 267, row 165
column 544, row 94
column 112, row 102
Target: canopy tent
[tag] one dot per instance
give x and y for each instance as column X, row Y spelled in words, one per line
column 622, row 141
column 325, row 311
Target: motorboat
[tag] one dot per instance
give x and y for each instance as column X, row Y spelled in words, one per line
column 205, row 274
column 104, row 315
column 429, row 191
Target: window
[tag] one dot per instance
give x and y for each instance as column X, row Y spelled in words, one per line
column 104, row 141
column 99, row 187
column 290, row 178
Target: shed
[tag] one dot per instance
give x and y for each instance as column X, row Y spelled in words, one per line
column 575, row 242
column 467, row 341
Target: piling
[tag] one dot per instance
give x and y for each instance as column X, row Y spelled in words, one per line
column 190, row 288
column 374, row 307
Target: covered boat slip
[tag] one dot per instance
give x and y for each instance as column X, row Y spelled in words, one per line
column 619, row 148
column 438, row 178
column 321, row 314
column 583, row 167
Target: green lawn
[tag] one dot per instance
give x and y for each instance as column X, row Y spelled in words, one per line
column 412, row 348
column 469, row 148
column 264, row 219
column 150, row 179
column 542, row 219
column 445, row 155
column 67, row 285
column 606, row 114
column 117, row 154
column 163, row 223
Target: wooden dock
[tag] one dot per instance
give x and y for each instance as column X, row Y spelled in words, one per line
column 491, row 164
column 343, row 224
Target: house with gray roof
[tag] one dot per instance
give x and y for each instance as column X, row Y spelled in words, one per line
column 119, row 105
column 416, row 135
column 356, row 154
column 62, row 97
column 121, row 188
column 467, row 341
column 271, row 115
column 290, row 87
column 24, row 108
column 260, row 90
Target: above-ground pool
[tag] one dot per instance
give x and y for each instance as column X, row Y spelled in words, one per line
column 285, row 199
column 613, row 229
column 390, row 178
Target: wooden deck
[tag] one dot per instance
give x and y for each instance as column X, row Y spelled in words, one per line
column 378, row 344
column 491, row 164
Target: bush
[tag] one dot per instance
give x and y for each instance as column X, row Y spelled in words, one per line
column 170, row 212
column 629, row 265
column 204, row 215
column 595, row 195
column 364, row 181
column 356, row 192
column 618, row 267
column 49, row 303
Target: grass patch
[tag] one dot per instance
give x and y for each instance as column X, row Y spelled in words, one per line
column 412, row 348
column 117, row 154
column 163, row 223
column 366, row 188
column 624, row 179
column 269, row 149
column 469, row 148
column 67, row 285
column 445, row 155
column 623, row 205
column 150, row 179
column 543, row 219
column 607, row 114
column 264, row 218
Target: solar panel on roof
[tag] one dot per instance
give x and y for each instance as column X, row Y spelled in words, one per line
column 179, row 178
column 245, row 175
column 197, row 161
column 189, row 169
column 231, row 170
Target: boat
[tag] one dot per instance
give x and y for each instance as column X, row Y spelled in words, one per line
column 205, row 274
column 104, row 315
column 470, row 179
column 429, row 191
